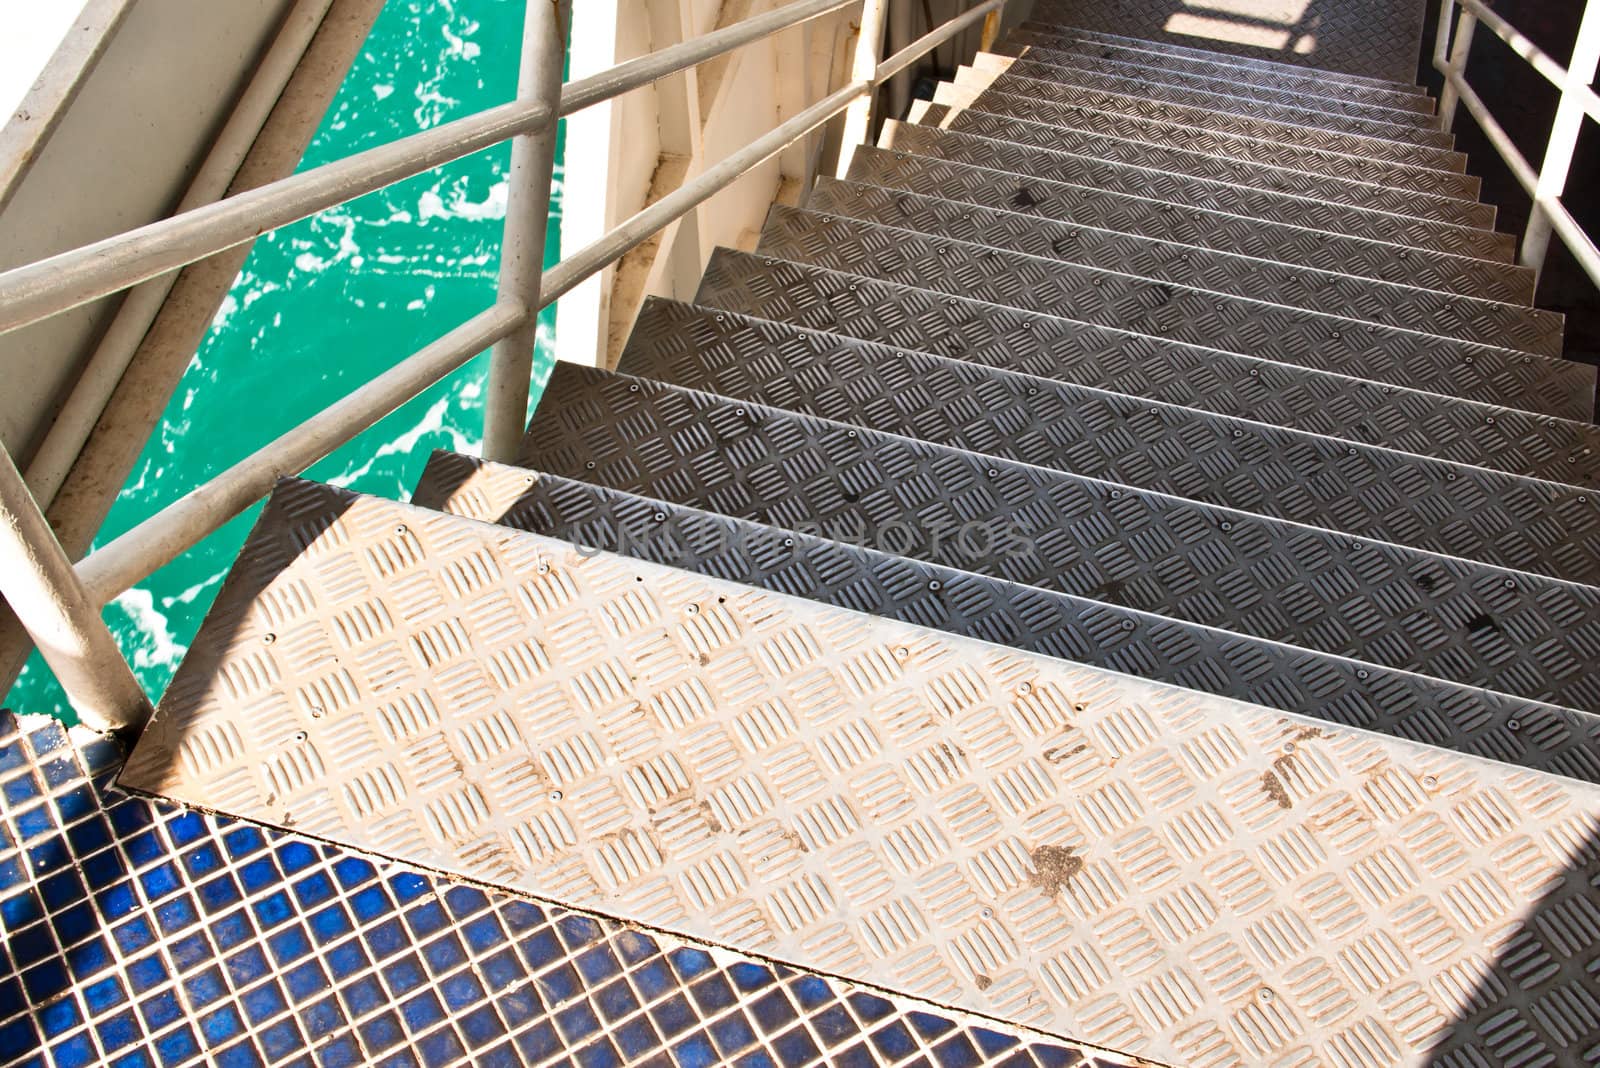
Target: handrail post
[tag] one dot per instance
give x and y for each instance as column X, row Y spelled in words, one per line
column 544, row 44
column 863, row 68
column 1563, row 140
column 1449, row 96
column 60, row 614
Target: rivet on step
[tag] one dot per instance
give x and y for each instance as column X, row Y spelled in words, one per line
column 400, row 529
column 935, row 585
column 300, row 736
column 1025, row 689
column 693, row 609
column 1510, row 585
column 724, row 318
column 633, row 388
column 1266, row 994
column 1127, row 624
column 788, row 543
column 1450, row 477
column 1467, row 359
column 993, row 473
column 1226, row 526
column 1255, row 374
column 1513, row 724
column 849, row 433
column 543, row 568
column 1430, row 781
column 738, row 411
column 1352, row 451
column 268, row 639
column 902, row 652
column 317, row 713
column 1116, row 495
column 1336, row 335
column 987, row 914
column 1288, row 747
column 1363, row 673
column 1238, row 433
column 660, row 517
column 589, row 466
column 555, row 795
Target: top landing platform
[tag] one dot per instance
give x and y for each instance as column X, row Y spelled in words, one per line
column 1373, row 38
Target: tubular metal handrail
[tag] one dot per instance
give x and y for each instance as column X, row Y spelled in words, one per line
column 60, row 601
column 1547, row 183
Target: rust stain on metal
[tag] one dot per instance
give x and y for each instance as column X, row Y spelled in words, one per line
column 1052, row 867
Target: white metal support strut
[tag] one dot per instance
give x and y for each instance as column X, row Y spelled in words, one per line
column 60, row 614
column 544, row 44
column 1564, row 132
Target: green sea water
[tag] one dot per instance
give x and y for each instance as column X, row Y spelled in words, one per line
column 322, row 306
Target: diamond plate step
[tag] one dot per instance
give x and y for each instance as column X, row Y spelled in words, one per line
column 1214, row 142
column 1057, row 48
column 1218, row 114
column 1420, row 311
column 1200, row 164
column 144, row 933
column 1346, row 62
column 1094, row 71
column 994, row 830
column 1492, row 518
column 1425, row 424
column 1105, row 209
column 1518, row 634
column 1352, row 693
column 1235, row 197
column 1162, row 309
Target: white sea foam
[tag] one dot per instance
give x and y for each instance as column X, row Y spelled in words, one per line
column 158, row 647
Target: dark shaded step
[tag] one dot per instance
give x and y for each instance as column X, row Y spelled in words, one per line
column 1356, row 694
column 1521, row 635
column 1289, row 285
column 1321, row 482
column 1056, row 47
column 1092, row 70
column 1199, row 164
column 1234, row 195
column 1218, row 114
column 1161, row 309
column 1284, row 152
column 1427, row 424
column 1126, row 213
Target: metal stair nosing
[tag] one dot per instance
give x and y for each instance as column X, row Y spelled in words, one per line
column 1263, row 68
column 1532, row 735
column 1054, row 49
column 662, row 761
column 1107, row 73
column 140, row 932
column 1285, row 283
column 1235, row 197
column 1260, row 150
column 1518, row 634
column 1309, row 399
column 1201, row 164
column 1369, row 491
column 1130, row 213
column 1378, row 353
column 1223, row 115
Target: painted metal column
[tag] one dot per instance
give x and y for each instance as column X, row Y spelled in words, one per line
column 64, row 621
column 864, row 68
column 1564, row 132
column 544, row 44
column 1466, row 27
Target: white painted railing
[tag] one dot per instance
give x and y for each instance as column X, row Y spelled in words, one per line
column 59, row 605
column 1548, row 183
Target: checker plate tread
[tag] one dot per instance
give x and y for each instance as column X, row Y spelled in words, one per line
column 866, row 798
column 1163, row 309
column 1222, row 114
column 1352, row 693
column 1049, row 48
column 1180, row 160
column 1427, row 424
column 1291, row 285
column 1093, row 69
column 1241, row 197
column 140, row 932
column 1518, row 634
column 1521, row 524
column 1125, row 213
column 1215, row 139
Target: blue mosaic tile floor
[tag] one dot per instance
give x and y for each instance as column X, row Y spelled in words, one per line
column 138, row 933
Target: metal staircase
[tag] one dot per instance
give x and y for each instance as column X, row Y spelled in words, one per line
column 1113, row 578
